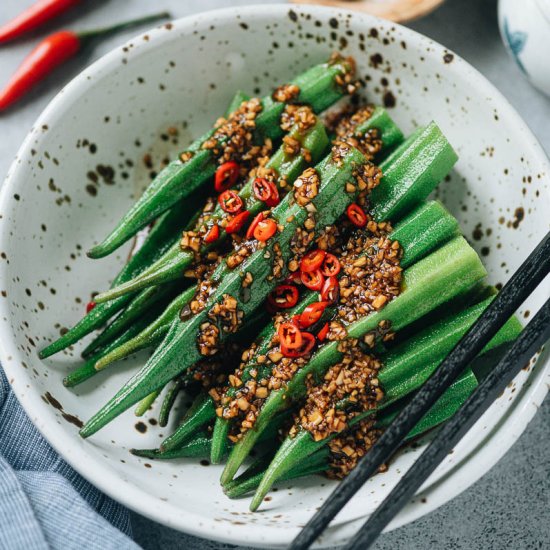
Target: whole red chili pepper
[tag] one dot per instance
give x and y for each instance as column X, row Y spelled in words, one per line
column 35, row 16
column 53, row 51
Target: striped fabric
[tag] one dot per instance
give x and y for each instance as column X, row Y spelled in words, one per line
column 44, row 503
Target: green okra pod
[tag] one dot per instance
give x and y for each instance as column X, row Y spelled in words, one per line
column 152, row 334
column 317, row 88
column 180, row 349
column 425, row 229
column 87, row 370
column 319, row 461
column 175, row 261
column 141, row 303
column 169, row 401
column 159, row 240
column 313, row 140
column 432, row 281
column 404, row 369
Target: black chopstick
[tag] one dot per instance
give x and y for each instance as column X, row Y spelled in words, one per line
column 531, row 339
column 514, row 293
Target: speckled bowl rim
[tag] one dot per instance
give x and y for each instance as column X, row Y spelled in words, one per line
column 131, row 496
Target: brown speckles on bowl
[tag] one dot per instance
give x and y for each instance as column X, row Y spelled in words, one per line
column 70, row 418
column 389, row 99
column 141, row 427
column 519, row 215
column 448, row 58
column 376, row 60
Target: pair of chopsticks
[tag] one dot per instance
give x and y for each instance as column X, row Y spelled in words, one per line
column 519, row 287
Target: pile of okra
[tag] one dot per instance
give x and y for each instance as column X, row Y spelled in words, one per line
column 295, row 280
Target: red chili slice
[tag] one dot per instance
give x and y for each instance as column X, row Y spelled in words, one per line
column 226, row 176
column 331, row 266
column 273, row 199
column 330, row 290
column 313, row 279
column 308, row 342
column 356, row 215
column 250, row 233
column 296, row 320
column 265, row 229
column 261, row 189
column 90, row 306
column 266, row 191
column 322, row 334
column 290, row 336
column 237, row 223
column 295, row 277
column 312, row 260
column 212, row 234
column 312, row 314
column 230, row 202
column 283, row 297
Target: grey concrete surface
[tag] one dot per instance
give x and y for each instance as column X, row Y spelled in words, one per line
column 510, row 506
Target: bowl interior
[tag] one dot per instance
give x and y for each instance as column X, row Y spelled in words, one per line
column 83, row 164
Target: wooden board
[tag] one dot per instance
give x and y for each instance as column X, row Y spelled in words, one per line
column 395, row 10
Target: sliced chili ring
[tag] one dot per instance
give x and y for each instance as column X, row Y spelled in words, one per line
column 356, row 215
column 322, row 334
column 273, row 199
column 313, row 279
column 230, row 202
column 266, row 191
column 312, row 261
column 89, row 306
column 283, row 297
column 296, row 320
column 312, row 313
column 261, row 189
column 226, row 176
column 290, row 336
column 237, row 223
column 295, row 277
column 250, row 233
column 308, row 342
column 331, row 266
column 330, row 290
column 265, row 229
column 212, row 234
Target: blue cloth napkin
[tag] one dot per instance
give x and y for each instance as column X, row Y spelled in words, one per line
column 44, row 503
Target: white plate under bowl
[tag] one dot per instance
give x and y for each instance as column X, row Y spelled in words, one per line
column 183, row 75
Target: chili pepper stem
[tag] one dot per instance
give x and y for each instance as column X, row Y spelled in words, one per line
column 86, row 36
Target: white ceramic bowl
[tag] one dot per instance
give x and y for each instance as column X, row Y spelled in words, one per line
column 183, row 75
